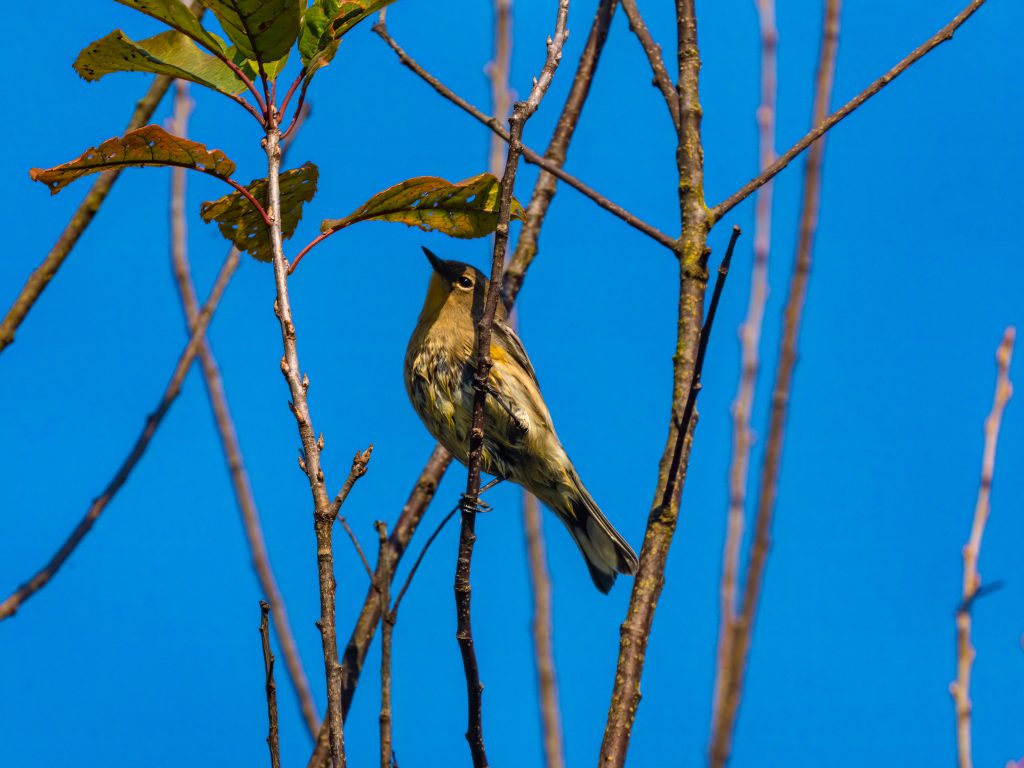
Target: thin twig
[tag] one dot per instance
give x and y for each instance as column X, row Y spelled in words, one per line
column 268, row 666
column 323, row 517
column 661, row 522
column 527, row 245
column 359, row 462
column 384, row 587
column 528, row 154
column 750, row 342
column 230, row 445
column 960, row 689
column 13, row 602
column 742, row 628
column 827, row 123
column 543, row 645
column 661, row 80
column 498, row 72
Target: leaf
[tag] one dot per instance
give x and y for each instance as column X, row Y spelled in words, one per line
column 324, row 24
column 169, row 53
column 263, row 30
column 177, row 16
column 242, row 224
column 149, row 145
column 467, row 209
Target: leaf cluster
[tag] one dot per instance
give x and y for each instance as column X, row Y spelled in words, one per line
column 259, row 37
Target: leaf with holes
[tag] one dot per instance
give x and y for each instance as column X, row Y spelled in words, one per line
column 243, row 225
column 169, row 53
column 177, row 16
column 467, row 209
column 324, row 24
column 263, row 30
column 149, row 145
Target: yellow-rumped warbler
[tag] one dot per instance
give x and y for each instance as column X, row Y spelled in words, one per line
column 520, row 443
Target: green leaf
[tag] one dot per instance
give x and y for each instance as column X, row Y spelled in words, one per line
column 324, row 24
column 169, row 53
column 467, row 209
column 263, row 30
column 242, row 224
column 149, row 145
column 177, row 16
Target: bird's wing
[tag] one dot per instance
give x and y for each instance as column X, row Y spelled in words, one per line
column 509, row 341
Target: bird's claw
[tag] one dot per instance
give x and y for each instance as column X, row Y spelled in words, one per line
column 477, row 506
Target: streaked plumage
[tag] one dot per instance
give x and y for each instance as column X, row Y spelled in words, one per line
column 520, row 443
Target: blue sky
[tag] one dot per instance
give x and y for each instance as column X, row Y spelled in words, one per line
column 146, row 642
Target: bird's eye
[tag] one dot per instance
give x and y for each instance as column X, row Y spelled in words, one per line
column 465, row 282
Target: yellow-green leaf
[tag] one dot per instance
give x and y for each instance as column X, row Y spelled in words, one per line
column 263, row 30
column 467, row 209
column 169, row 53
column 149, row 145
column 241, row 223
column 324, row 24
column 177, row 16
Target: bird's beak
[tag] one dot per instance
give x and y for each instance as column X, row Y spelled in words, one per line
column 435, row 262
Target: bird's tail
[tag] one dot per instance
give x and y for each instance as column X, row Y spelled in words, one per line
column 606, row 552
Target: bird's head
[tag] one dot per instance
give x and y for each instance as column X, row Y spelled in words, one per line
column 455, row 287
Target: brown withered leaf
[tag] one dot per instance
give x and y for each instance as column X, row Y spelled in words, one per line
column 149, row 145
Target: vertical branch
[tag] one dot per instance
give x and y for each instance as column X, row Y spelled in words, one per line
column 226, row 429
column 960, row 689
column 750, row 342
column 543, row 646
column 498, row 71
column 383, row 584
column 742, row 627
column 268, row 667
column 693, row 277
column 323, row 518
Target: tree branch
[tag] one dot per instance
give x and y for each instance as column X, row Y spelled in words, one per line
column 228, row 435
column 384, row 587
column 323, row 517
column 661, row 522
column 960, row 689
column 13, row 602
column 556, row 152
column 528, row 154
column 661, row 80
column 268, row 666
column 738, row 645
column 750, row 341
column 827, row 123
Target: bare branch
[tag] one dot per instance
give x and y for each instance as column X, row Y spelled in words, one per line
column 543, row 646
column 547, row 182
column 268, row 666
column 742, row 628
column 228, row 435
column 661, row 81
column 323, row 518
column 528, row 154
column 960, row 689
column 750, row 341
column 827, row 123
column 386, row 748
column 13, row 602
column 661, row 522
column 498, row 71
column 359, row 462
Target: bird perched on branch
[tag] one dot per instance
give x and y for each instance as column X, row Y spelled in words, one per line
column 520, row 443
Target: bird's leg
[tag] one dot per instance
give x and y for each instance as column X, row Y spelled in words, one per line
column 479, row 506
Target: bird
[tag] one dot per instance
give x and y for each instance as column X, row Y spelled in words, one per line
column 520, row 443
